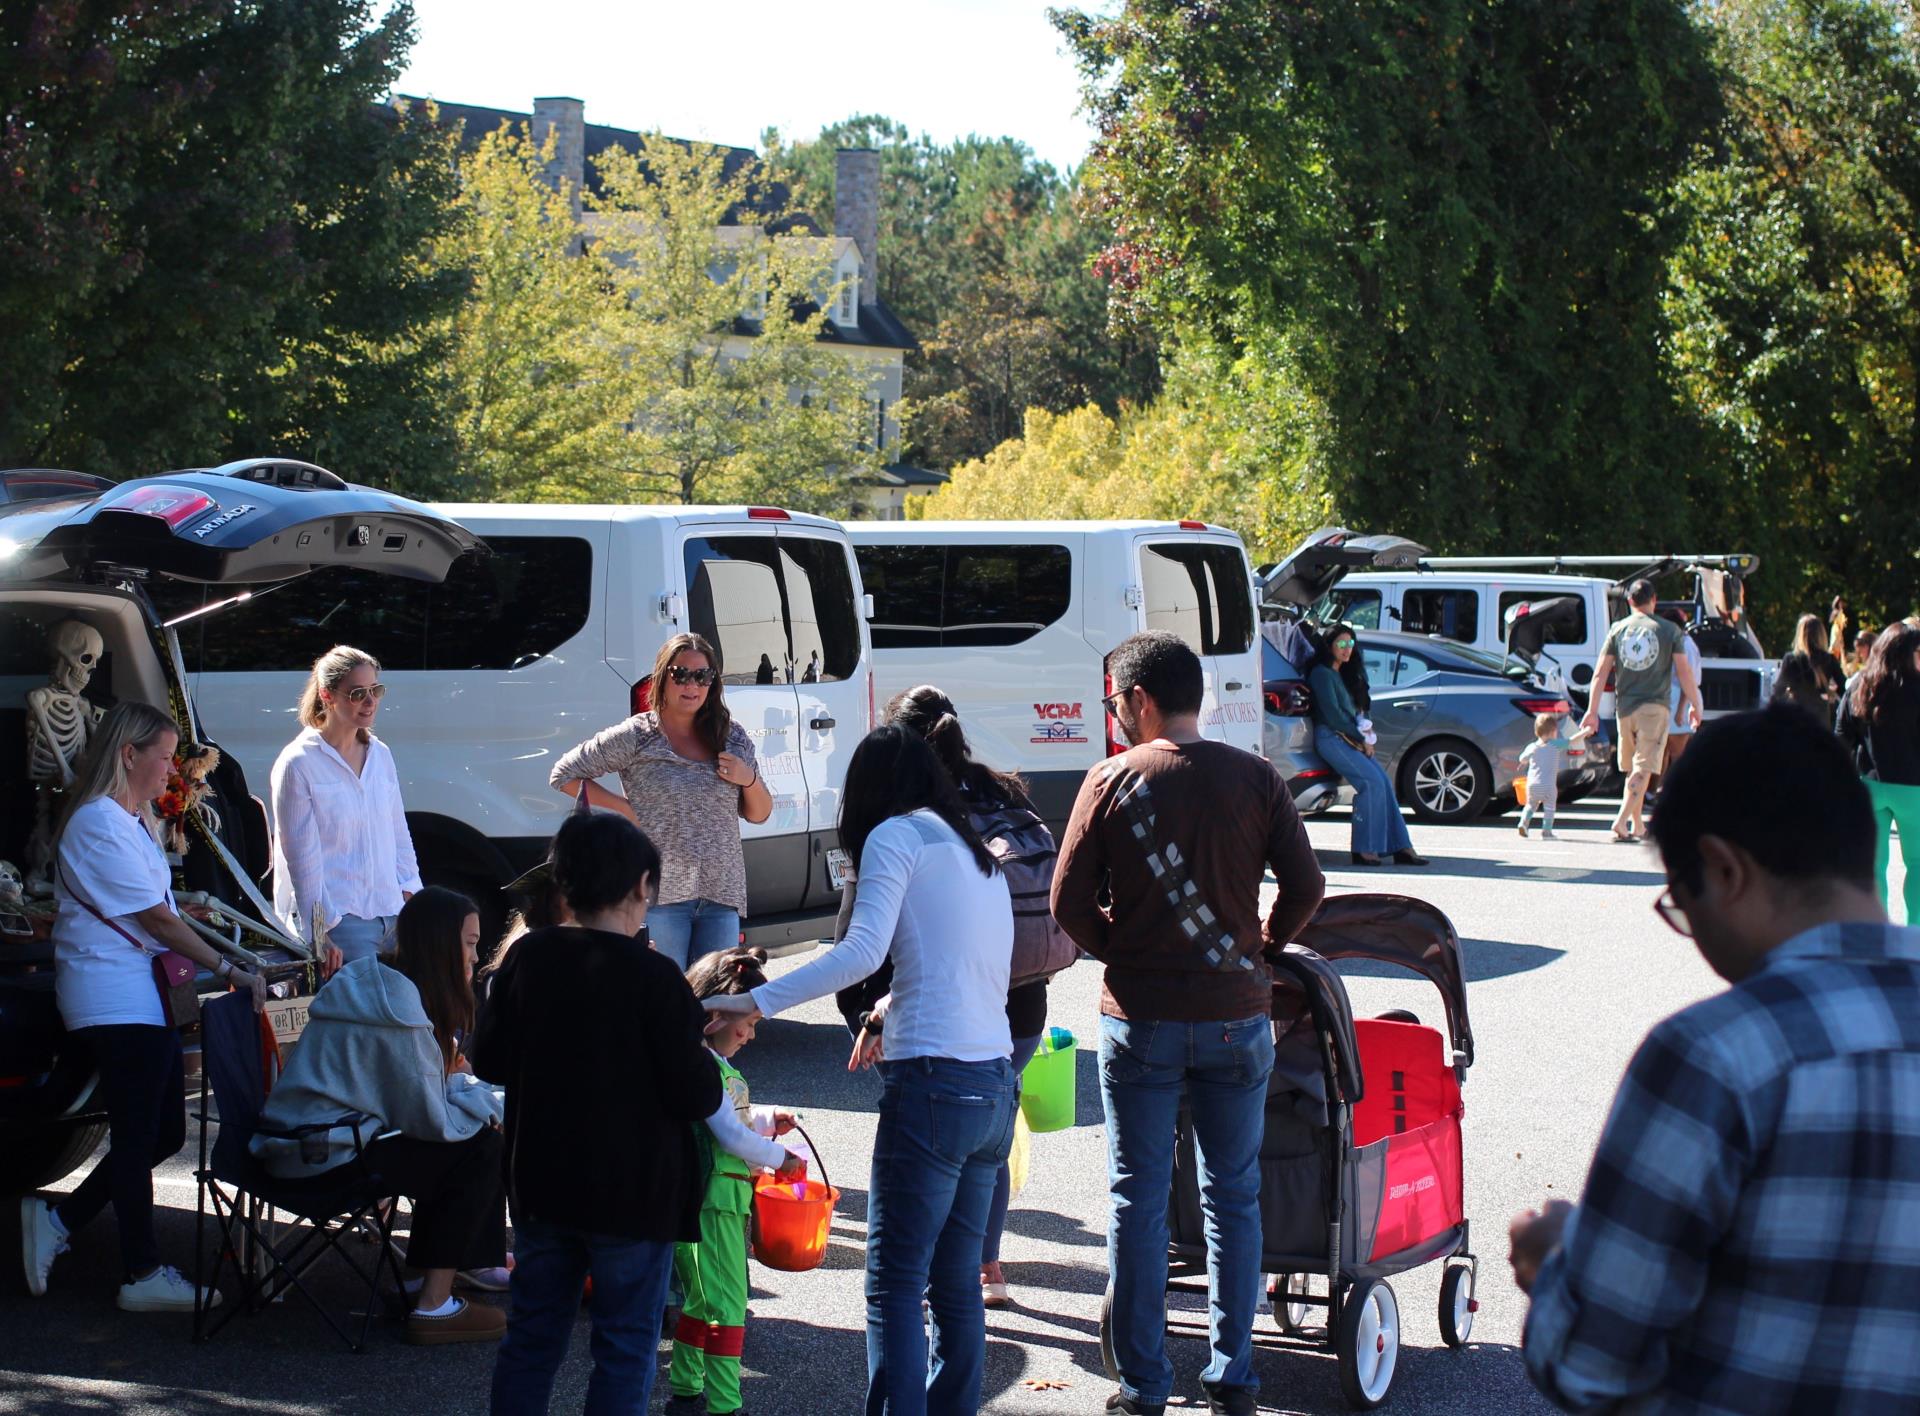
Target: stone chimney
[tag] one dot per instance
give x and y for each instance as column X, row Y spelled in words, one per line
column 566, row 120
column 856, row 212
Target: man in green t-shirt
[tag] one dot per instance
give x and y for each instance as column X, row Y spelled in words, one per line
column 1639, row 652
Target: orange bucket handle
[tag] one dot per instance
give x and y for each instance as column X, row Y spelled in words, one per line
column 816, row 1153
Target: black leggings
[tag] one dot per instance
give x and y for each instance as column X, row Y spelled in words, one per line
column 143, row 1081
column 459, row 1208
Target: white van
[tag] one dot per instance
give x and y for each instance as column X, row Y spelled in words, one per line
column 527, row 651
column 1014, row 620
column 1467, row 599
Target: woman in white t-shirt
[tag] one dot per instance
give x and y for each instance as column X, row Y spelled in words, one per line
column 115, row 912
column 932, row 900
column 342, row 854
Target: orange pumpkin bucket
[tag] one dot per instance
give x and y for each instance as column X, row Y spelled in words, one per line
column 791, row 1218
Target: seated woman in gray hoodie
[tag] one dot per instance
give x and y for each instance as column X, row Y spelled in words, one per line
column 384, row 1038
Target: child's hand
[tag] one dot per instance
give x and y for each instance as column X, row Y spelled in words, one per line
column 792, row 1168
column 783, row 1122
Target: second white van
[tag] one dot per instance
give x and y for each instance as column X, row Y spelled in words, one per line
column 530, row 649
column 1015, row 619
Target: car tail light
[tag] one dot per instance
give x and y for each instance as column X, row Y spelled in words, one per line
column 1533, row 707
column 1193, row 526
column 174, row 505
column 1312, row 774
column 641, row 699
column 1289, row 700
column 767, row 513
column 1115, row 743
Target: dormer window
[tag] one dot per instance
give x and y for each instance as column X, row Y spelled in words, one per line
column 849, row 289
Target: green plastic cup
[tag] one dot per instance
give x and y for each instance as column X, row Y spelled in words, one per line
column 1047, row 1085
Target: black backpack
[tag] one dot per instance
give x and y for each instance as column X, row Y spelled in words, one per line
column 1021, row 844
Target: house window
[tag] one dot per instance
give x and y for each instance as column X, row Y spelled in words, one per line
column 880, row 424
column 847, row 292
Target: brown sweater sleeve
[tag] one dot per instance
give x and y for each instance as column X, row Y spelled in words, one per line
column 1080, row 872
column 1296, row 870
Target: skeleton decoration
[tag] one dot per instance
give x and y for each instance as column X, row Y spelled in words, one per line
column 60, row 722
column 12, row 891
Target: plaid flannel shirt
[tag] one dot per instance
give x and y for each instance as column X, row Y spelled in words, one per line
column 1749, row 1239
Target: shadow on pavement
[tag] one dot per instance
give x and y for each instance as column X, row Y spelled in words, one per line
column 1481, row 958
column 1052, row 1228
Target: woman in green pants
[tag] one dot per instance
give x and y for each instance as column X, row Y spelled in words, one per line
column 1880, row 721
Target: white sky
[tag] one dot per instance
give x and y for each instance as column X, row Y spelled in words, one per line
column 723, row 72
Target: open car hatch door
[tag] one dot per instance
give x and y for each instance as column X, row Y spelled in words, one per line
column 1321, row 561
column 263, row 519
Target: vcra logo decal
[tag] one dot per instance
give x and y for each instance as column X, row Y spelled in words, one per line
column 1058, row 723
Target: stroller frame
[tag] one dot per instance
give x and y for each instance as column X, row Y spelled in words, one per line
column 1361, row 1310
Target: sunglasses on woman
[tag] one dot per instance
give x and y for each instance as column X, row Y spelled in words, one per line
column 682, row 675
column 362, row 693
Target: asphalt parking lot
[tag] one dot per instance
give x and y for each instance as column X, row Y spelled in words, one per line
column 1568, row 967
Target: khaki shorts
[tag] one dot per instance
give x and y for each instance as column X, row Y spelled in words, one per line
column 1643, row 738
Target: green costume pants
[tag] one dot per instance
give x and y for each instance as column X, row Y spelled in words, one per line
column 1895, row 805
column 713, row 1274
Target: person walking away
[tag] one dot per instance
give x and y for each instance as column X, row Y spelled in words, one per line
column 1798, row 684
column 690, row 777
column 932, row 900
column 1542, row 757
column 598, row 1041
column 1880, row 722
column 114, row 911
column 736, row 1141
column 343, row 860
column 1735, row 1247
column 1680, row 723
column 1810, row 638
column 1159, row 879
column 1000, row 809
column 383, row 1039
column 1378, row 827
column 1639, row 653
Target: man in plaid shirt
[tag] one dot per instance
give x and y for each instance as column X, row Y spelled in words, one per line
column 1749, row 1239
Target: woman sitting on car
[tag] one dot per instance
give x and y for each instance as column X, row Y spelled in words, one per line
column 1378, row 827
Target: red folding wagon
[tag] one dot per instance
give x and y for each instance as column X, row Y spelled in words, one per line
column 1361, row 1171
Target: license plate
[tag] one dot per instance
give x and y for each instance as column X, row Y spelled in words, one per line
column 839, row 869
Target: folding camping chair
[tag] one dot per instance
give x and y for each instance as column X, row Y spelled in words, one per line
column 238, row 1059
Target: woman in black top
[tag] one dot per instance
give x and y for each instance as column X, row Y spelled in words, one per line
column 1880, row 721
column 600, row 1045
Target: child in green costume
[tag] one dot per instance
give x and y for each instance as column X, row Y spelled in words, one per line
column 737, row 1140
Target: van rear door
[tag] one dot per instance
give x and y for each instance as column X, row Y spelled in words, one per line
column 735, row 598
column 1199, row 587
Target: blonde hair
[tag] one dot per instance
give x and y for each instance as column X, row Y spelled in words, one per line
column 330, row 670
column 102, row 770
column 1544, row 724
column 1810, row 636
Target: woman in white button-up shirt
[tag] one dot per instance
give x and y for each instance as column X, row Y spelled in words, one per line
column 342, row 855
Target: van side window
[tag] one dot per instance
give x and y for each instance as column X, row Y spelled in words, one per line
column 497, row 611
column 1199, row 592
column 1452, row 614
column 1359, row 608
column 1000, row 595
column 906, row 584
column 1574, row 632
column 779, row 609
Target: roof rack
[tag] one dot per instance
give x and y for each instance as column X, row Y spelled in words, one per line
column 279, row 472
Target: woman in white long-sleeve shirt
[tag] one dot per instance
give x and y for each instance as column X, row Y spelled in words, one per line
column 932, row 899
column 342, row 854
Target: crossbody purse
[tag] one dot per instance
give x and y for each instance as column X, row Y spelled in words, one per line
column 173, row 972
column 1197, row 919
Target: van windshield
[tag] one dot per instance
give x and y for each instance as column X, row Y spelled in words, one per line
column 779, row 609
column 1200, row 592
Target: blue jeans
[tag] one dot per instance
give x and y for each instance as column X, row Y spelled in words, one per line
column 1220, row 1070
column 689, row 929
column 1378, row 828
column 1023, row 1050
column 551, row 1264
column 356, row 938
column 945, row 1127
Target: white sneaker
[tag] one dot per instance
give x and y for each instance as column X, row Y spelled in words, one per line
column 162, row 1291
column 41, row 1242
column 1548, row 836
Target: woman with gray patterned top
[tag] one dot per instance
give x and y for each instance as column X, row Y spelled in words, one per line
column 690, row 775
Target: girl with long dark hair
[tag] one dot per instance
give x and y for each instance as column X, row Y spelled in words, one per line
column 932, row 901
column 690, row 777
column 1880, row 721
column 1378, row 828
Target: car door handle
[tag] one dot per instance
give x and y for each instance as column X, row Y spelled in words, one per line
column 1235, row 687
column 820, row 725
column 1410, row 707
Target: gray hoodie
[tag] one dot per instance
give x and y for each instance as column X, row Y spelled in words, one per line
column 368, row 1047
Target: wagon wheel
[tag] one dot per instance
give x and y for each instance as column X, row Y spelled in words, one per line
column 1107, row 1359
column 1290, row 1318
column 1369, row 1343
column 1457, row 1305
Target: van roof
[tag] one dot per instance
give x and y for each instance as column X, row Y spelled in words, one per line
column 1479, row 577
column 602, row 511
column 1055, row 528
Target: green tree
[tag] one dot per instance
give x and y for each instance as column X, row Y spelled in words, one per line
column 1794, row 331
column 214, row 240
column 1433, row 223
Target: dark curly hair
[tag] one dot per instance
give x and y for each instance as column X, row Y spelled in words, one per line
column 727, row 971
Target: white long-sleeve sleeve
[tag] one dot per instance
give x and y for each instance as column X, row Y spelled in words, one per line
column 736, row 1138
column 406, row 863
column 297, row 844
column 886, row 866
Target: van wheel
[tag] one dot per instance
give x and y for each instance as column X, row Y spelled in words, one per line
column 1446, row 781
